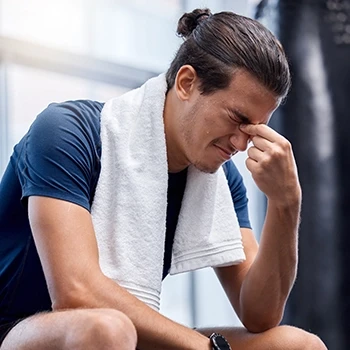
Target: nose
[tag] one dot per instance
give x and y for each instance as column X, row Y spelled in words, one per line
column 240, row 141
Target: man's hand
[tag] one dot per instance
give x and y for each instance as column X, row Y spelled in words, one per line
column 265, row 280
column 272, row 164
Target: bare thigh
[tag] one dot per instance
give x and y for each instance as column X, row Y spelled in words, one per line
column 73, row 329
column 278, row 338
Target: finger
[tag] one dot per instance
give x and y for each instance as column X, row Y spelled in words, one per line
column 255, row 154
column 251, row 165
column 261, row 143
column 261, row 130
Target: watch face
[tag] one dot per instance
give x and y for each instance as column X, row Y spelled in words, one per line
column 219, row 342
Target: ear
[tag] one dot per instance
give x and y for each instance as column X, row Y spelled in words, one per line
column 186, row 82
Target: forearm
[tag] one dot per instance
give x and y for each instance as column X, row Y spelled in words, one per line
column 268, row 283
column 154, row 330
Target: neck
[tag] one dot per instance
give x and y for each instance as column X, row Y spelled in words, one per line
column 177, row 160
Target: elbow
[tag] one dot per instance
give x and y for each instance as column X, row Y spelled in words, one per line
column 68, row 301
column 71, row 298
column 258, row 323
column 259, row 327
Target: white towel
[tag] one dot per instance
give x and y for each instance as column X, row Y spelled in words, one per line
column 130, row 203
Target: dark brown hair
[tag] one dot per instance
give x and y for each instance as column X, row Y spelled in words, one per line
column 217, row 44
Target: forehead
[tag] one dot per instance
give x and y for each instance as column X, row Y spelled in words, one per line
column 249, row 97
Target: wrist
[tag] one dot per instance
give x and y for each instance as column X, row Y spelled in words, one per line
column 287, row 200
column 289, row 195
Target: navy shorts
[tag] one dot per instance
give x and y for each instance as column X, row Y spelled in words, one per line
column 5, row 329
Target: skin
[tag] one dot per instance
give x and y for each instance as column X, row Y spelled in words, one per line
column 204, row 131
column 220, row 125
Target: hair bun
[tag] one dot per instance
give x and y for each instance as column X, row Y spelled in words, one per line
column 189, row 21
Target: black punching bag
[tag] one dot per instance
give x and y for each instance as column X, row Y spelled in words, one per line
column 316, row 119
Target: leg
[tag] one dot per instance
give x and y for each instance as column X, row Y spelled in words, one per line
column 73, row 330
column 278, row 338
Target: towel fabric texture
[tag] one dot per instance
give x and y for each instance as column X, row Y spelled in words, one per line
column 130, row 203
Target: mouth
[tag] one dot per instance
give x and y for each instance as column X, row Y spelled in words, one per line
column 225, row 153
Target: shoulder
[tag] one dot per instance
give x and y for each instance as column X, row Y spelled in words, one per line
column 81, row 113
column 59, row 157
column 71, row 121
column 233, row 175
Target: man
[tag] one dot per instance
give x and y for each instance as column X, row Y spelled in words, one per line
column 85, row 197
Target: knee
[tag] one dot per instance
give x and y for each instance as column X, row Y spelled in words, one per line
column 101, row 329
column 292, row 338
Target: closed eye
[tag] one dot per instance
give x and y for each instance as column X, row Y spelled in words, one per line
column 235, row 119
column 238, row 119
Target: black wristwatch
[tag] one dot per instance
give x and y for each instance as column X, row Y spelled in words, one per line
column 219, row 342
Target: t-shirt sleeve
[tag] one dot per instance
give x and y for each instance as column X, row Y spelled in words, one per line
column 238, row 193
column 57, row 157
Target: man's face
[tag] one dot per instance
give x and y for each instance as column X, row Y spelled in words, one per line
column 210, row 125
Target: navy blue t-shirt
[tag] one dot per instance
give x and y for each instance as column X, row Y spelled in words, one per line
column 59, row 157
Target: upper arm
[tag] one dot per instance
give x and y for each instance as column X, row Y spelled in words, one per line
column 232, row 277
column 238, row 193
column 65, row 240
column 57, row 167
